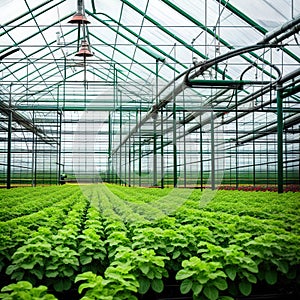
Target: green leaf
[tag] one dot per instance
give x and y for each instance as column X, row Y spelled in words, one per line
column 144, row 285
column 68, row 272
column 28, row 266
column 220, row 284
column 145, row 268
column 157, row 285
column 203, row 278
column 231, row 272
column 252, row 268
column 197, row 288
column 250, row 277
column 211, row 292
column 176, row 254
column 38, row 273
column 62, row 285
column 283, row 266
column 10, row 269
column 51, row 274
column 186, row 286
column 84, row 260
column 271, row 277
column 183, row 274
column 291, row 274
column 245, row 288
column 150, row 274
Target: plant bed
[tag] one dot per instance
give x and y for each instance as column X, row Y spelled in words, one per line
column 242, row 245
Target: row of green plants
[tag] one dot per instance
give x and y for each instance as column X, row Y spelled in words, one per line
column 51, row 258
column 110, row 248
column 26, row 203
column 15, row 232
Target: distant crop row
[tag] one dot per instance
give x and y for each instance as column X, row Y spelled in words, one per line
column 121, row 243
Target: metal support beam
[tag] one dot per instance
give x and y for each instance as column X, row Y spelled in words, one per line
column 140, row 150
column 231, row 84
column 162, row 149
column 174, row 146
column 59, row 147
column 154, row 117
column 109, row 147
column 236, row 142
column 9, row 133
column 279, row 140
column 212, row 154
column 201, row 155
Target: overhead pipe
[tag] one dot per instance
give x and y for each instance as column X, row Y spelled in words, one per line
column 9, row 53
column 21, row 120
column 261, row 92
column 252, row 97
column 292, row 24
column 255, row 25
column 203, row 66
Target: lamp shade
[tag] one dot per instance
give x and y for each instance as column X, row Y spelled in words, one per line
column 84, row 50
column 79, row 18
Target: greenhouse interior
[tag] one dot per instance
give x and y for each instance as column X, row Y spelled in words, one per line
column 150, row 149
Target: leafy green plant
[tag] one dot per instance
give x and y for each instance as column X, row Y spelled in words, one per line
column 61, row 268
column 114, row 241
column 92, row 251
column 204, row 279
column 238, row 267
column 28, row 260
column 118, row 284
column 25, row 290
column 275, row 254
column 148, row 268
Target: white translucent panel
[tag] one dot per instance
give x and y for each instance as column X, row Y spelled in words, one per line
column 11, row 9
column 269, row 13
column 131, row 19
column 111, row 7
column 104, row 34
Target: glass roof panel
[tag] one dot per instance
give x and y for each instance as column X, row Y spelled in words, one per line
column 269, row 13
column 40, row 66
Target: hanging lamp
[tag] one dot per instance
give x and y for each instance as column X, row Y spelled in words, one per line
column 84, row 50
column 79, row 17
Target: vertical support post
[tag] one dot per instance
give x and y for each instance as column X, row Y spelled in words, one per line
column 174, row 145
column 212, row 154
column 140, row 149
column 134, row 149
column 125, row 164
column 109, row 147
column 253, row 146
column 236, row 142
column 154, row 117
column 65, row 78
column 33, row 153
column 9, row 134
column 201, row 157
column 162, row 149
column 279, row 140
column 154, row 127
column 267, row 155
column 129, row 152
column 120, row 158
column 35, row 159
column 184, row 152
column 59, row 146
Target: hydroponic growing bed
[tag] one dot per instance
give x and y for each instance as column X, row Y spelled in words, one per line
column 111, row 242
